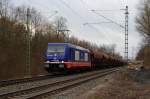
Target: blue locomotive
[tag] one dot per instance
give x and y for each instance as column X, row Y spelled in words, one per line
column 66, row 56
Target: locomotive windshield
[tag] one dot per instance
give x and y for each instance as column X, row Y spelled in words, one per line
column 59, row 50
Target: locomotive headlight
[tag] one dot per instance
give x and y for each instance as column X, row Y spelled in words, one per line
column 61, row 65
column 47, row 61
column 62, row 61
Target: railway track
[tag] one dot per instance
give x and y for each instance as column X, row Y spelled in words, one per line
column 43, row 91
column 5, row 83
column 11, row 82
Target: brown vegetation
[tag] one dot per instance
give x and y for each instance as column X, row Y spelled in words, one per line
column 144, row 54
column 143, row 27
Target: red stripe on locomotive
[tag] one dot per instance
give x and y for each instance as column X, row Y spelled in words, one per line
column 71, row 65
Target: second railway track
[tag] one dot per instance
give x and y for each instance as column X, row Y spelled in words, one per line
column 5, row 83
column 42, row 91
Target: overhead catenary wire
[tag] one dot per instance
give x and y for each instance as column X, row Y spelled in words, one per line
column 49, row 15
column 88, row 8
column 73, row 11
column 77, row 14
column 97, row 23
column 83, row 2
column 94, row 11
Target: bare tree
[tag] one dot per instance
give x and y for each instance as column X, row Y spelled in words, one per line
column 143, row 20
column 143, row 27
column 61, row 25
column 34, row 17
column 4, row 8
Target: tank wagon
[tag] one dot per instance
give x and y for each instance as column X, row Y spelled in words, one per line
column 66, row 56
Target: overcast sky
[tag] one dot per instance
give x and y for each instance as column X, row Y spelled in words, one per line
column 78, row 12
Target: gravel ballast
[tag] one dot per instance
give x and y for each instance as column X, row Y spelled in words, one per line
column 124, row 84
column 28, row 85
column 75, row 93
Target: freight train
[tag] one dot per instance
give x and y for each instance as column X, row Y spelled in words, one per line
column 66, row 56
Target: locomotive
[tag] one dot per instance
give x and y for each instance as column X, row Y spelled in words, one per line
column 66, row 56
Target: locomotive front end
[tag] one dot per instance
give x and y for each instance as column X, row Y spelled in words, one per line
column 55, row 57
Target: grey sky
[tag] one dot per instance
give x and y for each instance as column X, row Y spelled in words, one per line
column 77, row 12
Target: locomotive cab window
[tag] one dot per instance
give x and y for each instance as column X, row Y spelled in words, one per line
column 77, row 56
column 59, row 50
column 86, row 57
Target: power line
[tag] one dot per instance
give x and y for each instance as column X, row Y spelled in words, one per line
column 76, row 13
column 95, row 23
column 109, row 10
column 89, row 23
column 46, row 12
column 109, row 20
column 83, row 2
column 94, row 11
column 53, row 14
column 68, row 6
column 73, row 11
column 112, row 11
column 36, row 3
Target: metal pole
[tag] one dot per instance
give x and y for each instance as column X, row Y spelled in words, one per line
column 28, row 60
column 126, row 33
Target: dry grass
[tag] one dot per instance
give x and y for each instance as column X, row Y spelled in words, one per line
column 122, row 86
